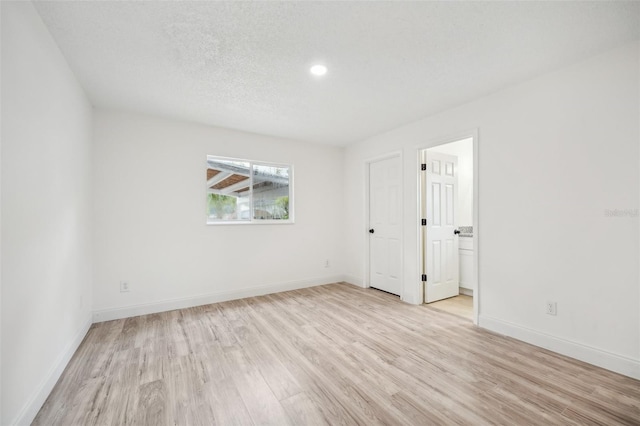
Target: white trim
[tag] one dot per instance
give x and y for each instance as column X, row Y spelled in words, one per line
column 476, row 225
column 109, row 314
column 367, row 249
column 432, row 143
column 249, row 222
column 614, row 362
column 466, row 291
column 420, row 230
column 353, row 280
column 41, row 393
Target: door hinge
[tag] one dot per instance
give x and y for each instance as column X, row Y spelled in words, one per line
column 423, row 222
column 424, row 278
column 423, row 167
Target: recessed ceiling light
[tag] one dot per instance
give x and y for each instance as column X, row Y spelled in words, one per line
column 318, row 70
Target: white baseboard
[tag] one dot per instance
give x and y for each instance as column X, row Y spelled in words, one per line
column 465, row 291
column 205, row 299
column 353, row 280
column 41, row 393
column 610, row 361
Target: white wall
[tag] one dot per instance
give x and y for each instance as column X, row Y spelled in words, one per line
column 0, row 223
column 150, row 217
column 554, row 153
column 46, row 213
column 463, row 149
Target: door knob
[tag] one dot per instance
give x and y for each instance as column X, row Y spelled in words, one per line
column 371, row 231
column 456, row 232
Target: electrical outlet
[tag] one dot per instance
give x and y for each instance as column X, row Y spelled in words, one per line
column 552, row 308
column 326, row 263
column 124, row 286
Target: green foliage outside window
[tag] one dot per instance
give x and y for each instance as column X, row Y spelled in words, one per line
column 221, row 206
column 282, row 203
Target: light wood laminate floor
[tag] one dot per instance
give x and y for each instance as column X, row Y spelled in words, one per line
column 334, row 354
column 460, row 305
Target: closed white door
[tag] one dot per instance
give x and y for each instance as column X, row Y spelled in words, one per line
column 385, row 225
column 441, row 241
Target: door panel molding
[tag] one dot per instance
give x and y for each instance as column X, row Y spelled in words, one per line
column 418, row 151
column 393, row 264
column 441, row 250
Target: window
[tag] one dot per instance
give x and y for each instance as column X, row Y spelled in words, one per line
column 243, row 191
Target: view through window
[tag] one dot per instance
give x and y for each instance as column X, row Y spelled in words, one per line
column 248, row 191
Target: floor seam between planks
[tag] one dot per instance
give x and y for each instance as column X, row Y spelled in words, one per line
column 332, row 354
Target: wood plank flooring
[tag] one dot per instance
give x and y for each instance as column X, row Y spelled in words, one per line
column 333, row 354
column 460, row 305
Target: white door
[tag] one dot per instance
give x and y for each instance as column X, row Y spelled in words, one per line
column 385, row 225
column 441, row 243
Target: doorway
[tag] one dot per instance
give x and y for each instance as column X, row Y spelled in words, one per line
column 385, row 224
column 448, row 231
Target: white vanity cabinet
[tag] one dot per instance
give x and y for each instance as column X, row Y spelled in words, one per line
column 465, row 251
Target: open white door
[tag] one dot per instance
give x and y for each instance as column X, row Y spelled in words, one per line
column 441, row 241
column 385, row 225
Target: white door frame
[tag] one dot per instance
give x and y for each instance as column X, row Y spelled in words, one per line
column 367, row 240
column 476, row 230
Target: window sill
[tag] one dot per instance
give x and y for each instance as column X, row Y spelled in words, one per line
column 248, row 222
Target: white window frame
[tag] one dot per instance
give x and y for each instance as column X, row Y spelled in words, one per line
column 252, row 220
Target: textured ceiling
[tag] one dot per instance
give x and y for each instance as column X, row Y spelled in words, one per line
column 244, row 65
